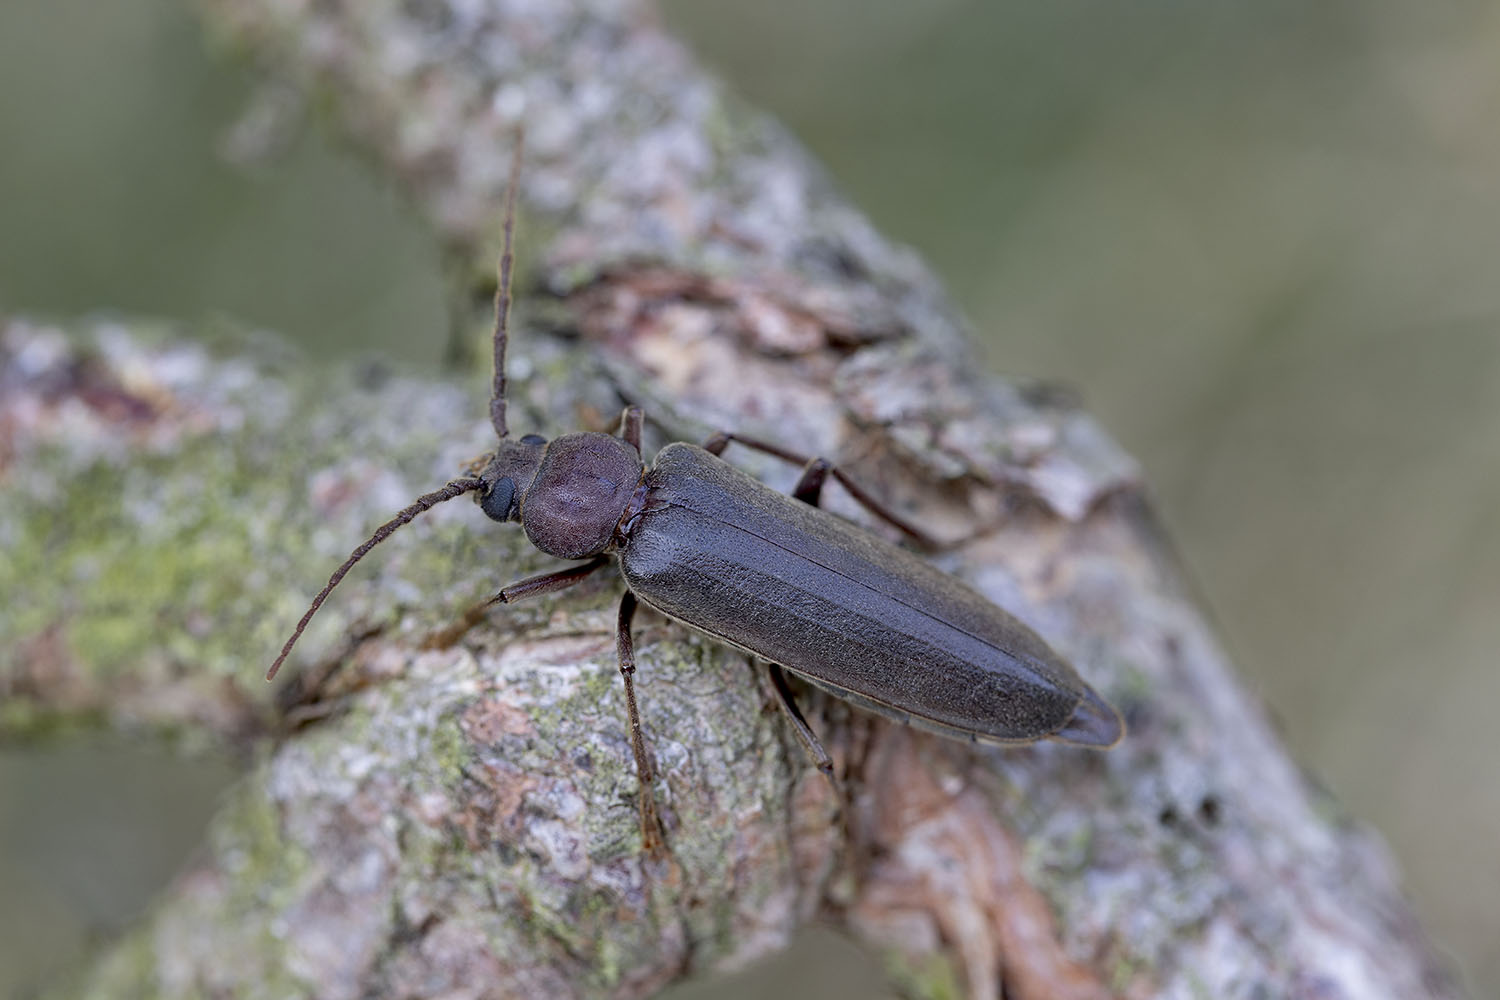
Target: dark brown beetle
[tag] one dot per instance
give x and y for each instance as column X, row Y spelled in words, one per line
column 709, row 546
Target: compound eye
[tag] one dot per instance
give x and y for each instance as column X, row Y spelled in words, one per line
column 533, row 439
column 499, row 503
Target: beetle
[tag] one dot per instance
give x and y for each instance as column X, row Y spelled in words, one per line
column 708, row 545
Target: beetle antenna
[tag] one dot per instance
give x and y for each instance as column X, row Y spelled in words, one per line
column 502, row 290
column 456, row 488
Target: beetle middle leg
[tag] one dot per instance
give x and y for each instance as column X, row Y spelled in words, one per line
column 815, row 471
column 651, row 832
column 809, row 488
column 630, row 426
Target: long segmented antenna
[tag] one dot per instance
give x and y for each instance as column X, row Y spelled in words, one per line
column 502, row 291
column 456, row 488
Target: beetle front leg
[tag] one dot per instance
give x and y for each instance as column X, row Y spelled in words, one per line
column 530, row 587
column 651, row 831
column 815, row 470
column 546, row 583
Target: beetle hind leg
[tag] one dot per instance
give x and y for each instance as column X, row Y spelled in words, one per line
column 810, row 741
column 810, row 486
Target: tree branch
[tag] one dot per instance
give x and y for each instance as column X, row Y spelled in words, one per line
column 457, row 817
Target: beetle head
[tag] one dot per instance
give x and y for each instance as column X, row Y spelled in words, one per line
column 508, row 475
column 569, row 494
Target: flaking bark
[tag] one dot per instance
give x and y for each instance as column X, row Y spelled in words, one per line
column 454, row 815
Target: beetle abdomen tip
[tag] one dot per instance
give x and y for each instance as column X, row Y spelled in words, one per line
column 1095, row 723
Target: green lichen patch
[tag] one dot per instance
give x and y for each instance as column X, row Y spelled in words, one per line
column 179, row 548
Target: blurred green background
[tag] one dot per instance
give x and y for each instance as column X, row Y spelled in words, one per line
column 1262, row 238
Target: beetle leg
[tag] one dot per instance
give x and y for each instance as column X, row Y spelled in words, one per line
column 720, row 440
column 651, row 833
column 809, row 488
column 546, row 583
column 804, row 732
column 530, row 587
column 630, row 426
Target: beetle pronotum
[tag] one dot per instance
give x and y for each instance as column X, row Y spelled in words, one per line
column 709, row 546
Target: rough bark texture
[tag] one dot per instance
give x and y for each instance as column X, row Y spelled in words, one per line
column 457, row 819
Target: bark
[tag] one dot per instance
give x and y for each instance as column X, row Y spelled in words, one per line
column 455, row 815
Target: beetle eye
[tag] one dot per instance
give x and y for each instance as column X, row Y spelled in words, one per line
column 499, row 501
